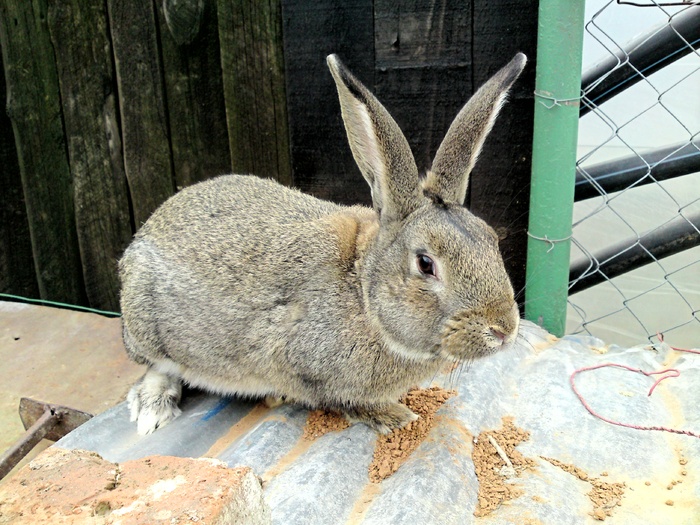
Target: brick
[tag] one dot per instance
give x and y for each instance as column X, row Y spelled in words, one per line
column 75, row 486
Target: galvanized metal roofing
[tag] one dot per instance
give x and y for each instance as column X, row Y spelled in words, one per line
column 326, row 481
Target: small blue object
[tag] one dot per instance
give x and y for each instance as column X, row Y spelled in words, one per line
column 223, row 403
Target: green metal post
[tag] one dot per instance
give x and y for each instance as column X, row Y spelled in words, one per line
column 557, row 92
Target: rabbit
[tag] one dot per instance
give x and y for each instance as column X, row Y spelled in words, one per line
column 241, row 286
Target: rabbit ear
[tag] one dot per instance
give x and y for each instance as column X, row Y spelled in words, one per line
column 458, row 152
column 380, row 149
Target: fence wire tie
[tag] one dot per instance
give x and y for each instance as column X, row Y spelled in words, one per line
column 574, row 102
column 551, row 242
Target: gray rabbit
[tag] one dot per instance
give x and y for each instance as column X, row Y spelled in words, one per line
column 239, row 285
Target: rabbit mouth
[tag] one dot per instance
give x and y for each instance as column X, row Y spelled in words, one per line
column 470, row 336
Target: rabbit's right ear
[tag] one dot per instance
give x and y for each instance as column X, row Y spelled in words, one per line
column 380, row 149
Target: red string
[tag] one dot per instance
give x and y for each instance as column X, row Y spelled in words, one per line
column 661, row 338
column 670, row 372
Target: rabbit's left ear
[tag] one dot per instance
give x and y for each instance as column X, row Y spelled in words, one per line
column 454, row 160
column 380, row 149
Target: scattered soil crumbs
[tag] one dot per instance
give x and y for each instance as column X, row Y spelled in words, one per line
column 393, row 449
column 604, row 496
column 495, row 467
column 571, row 469
column 321, row 422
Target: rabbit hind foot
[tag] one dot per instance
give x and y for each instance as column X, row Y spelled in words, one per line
column 153, row 401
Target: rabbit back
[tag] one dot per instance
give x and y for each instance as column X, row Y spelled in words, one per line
column 197, row 268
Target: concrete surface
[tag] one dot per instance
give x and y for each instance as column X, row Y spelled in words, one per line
column 61, row 357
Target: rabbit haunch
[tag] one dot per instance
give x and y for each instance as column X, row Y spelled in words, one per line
column 239, row 285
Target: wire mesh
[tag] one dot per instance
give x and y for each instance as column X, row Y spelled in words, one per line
column 638, row 175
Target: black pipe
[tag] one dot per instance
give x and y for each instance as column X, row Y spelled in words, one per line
column 616, row 175
column 681, row 233
column 648, row 53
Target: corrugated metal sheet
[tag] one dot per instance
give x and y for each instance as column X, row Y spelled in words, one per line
column 326, row 481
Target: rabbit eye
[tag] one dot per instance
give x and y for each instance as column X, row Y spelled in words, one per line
column 426, row 266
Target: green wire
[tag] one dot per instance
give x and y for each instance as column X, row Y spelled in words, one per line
column 61, row 305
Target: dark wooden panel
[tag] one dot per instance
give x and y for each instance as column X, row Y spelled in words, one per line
column 424, row 101
column 87, row 81
column 147, row 156
column 17, row 275
column 253, row 70
column 419, row 33
column 500, row 182
column 321, row 158
column 189, row 36
column 34, row 108
column 423, row 68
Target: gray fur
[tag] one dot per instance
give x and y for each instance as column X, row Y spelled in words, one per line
column 241, row 286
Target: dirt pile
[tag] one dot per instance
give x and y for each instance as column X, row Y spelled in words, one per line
column 393, row 449
column 604, row 496
column 321, row 422
column 496, row 462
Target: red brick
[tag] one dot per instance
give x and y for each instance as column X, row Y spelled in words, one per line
column 67, row 486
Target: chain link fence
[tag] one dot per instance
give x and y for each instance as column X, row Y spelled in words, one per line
column 635, row 267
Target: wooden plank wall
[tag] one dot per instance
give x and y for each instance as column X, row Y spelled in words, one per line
column 34, row 107
column 256, row 109
column 16, row 258
column 189, row 36
column 89, row 105
column 113, row 106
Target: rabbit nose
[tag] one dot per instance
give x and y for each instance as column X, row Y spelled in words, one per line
column 498, row 334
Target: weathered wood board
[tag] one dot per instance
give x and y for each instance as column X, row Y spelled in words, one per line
column 17, row 275
column 79, row 36
column 189, row 36
column 145, row 132
column 253, row 71
column 34, row 107
column 321, row 159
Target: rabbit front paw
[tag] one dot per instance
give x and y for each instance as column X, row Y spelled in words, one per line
column 153, row 401
column 383, row 418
